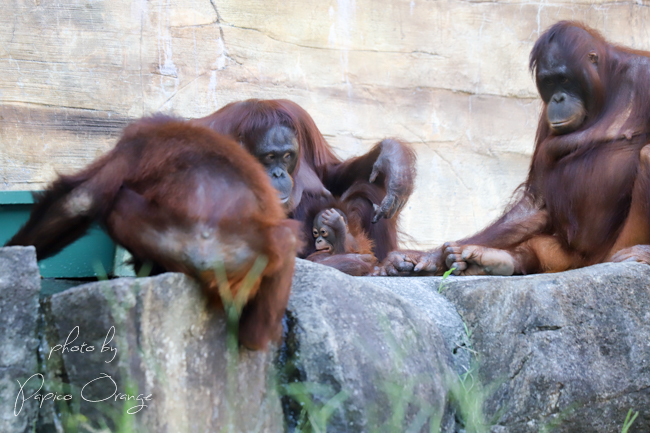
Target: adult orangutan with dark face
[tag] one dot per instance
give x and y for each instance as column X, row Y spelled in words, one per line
column 306, row 173
column 587, row 196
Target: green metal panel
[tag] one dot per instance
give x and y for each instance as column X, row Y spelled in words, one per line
column 16, row 197
column 95, row 251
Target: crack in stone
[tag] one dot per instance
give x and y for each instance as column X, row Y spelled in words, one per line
column 548, row 328
column 160, row 74
column 540, row 328
column 582, row 405
column 521, row 365
column 350, row 50
column 218, row 22
column 555, row 4
column 288, row 363
column 44, row 104
column 198, row 26
column 45, row 62
column 177, row 92
column 623, row 393
column 453, row 170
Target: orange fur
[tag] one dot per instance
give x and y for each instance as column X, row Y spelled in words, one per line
column 188, row 200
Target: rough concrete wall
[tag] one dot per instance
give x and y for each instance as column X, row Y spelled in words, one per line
column 449, row 76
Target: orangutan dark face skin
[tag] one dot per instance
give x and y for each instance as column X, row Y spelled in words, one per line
column 329, row 231
column 561, row 91
column 324, row 237
column 278, row 151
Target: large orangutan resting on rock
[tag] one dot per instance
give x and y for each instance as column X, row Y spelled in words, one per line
column 305, row 171
column 587, row 196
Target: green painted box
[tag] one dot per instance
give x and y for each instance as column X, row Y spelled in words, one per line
column 83, row 258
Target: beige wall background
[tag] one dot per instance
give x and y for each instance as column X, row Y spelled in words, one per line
column 450, row 77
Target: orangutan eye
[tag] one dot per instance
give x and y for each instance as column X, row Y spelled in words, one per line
column 323, row 233
column 315, row 233
column 564, row 80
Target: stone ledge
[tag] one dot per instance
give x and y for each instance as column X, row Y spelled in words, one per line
column 20, row 284
column 571, row 347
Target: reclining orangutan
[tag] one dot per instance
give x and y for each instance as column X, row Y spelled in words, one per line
column 587, row 196
column 304, row 169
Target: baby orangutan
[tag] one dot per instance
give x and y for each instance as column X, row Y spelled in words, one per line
column 340, row 244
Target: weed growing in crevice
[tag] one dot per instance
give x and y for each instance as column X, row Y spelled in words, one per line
column 317, row 402
column 629, row 420
column 443, row 283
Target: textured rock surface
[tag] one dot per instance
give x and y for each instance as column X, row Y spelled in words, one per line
column 574, row 345
column 423, row 293
column 570, row 348
column 169, row 345
column 363, row 339
column 20, row 284
column 449, row 76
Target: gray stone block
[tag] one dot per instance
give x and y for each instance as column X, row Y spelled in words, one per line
column 20, row 284
column 170, row 345
column 572, row 346
column 384, row 352
column 423, row 293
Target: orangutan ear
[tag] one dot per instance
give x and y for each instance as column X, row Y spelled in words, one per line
column 593, row 57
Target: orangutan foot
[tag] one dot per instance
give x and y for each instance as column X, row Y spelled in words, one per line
column 637, row 253
column 478, row 260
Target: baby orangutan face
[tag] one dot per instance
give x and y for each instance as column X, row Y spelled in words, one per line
column 329, row 231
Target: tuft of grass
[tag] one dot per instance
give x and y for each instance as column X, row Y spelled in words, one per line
column 467, row 393
column 468, row 397
column 102, row 275
column 629, row 420
column 401, row 398
column 145, row 269
column 122, row 421
column 69, row 418
column 233, row 307
column 314, row 415
column 550, row 425
column 443, row 284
